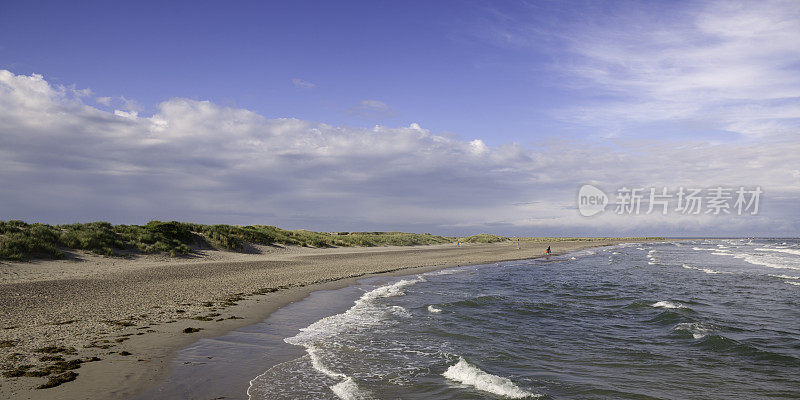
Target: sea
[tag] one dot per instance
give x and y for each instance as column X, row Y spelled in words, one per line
column 688, row 319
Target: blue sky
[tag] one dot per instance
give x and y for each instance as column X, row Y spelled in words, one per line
column 445, row 65
column 489, row 115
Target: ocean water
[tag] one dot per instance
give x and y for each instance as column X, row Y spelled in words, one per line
column 705, row 319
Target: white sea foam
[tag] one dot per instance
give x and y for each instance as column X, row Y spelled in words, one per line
column 365, row 312
column 316, row 362
column 449, row 271
column 767, row 261
column 470, row 375
column 706, row 270
column 703, row 249
column 348, row 390
column 395, row 289
column 697, row 330
column 400, row 311
column 792, row 283
column 784, row 276
column 666, row 304
column 432, row 309
column 781, row 250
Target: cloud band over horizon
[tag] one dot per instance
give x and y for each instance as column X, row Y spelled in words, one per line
column 64, row 160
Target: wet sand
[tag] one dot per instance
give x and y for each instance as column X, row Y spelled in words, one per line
column 132, row 313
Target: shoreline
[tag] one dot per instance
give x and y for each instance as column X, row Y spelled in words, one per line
column 188, row 367
column 273, row 280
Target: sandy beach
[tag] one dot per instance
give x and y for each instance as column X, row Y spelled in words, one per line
column 132, row 314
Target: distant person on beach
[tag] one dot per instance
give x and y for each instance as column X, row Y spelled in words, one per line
column 548, row 250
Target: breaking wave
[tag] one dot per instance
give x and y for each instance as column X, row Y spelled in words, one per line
column 470, row 375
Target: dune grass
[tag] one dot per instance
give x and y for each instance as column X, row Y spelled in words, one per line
column 20, row 241
column 483, row 238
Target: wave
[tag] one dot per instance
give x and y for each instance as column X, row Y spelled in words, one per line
column 722, row 344
column 366, row 312
column 781, row 250
column 792, row 283
column 395, row 289
column 667, row 304
column 669, row 317
column 432, row 309
column 706, row 270
column 449, row 271
column 697, row 329
column 470, row 375
column 348, row 390
column 784, row 276
column 766, row 261
column 639, row 304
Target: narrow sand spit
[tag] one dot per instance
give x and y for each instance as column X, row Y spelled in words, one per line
column 131, row 314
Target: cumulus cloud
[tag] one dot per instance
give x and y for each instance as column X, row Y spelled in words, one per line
column 62, row 160
column 371, row 109
column 301, row 84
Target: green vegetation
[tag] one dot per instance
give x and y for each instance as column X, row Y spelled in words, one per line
column 482, row 238
column 21, row 241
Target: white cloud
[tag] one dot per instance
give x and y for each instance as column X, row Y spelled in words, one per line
column 722, row 63
column 126, row 114
column 299, row 83
column 106, row 101
column 62, row 160
column 478, row 147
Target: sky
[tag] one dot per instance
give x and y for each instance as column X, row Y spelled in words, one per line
column 448, row 117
